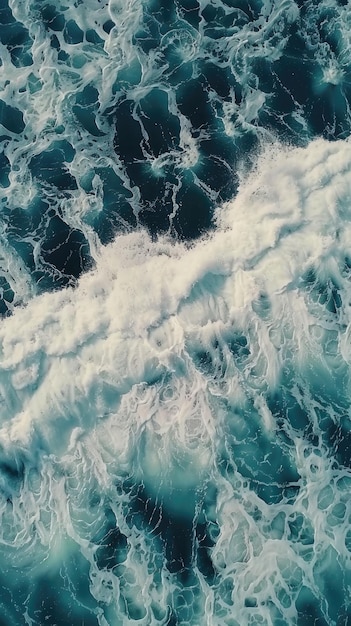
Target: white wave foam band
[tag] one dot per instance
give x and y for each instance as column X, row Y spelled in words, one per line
column 158, row 369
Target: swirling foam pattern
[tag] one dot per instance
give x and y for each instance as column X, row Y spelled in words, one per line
column 175, row 288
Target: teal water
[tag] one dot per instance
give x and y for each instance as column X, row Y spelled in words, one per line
column 175, row 264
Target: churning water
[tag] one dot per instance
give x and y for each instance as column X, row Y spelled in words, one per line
column 175, row 287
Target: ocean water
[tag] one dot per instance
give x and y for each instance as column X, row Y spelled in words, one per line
column 175, row 295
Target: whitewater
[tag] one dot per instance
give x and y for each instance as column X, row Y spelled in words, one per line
column 175, row 293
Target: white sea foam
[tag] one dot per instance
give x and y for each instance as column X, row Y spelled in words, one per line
column 105, row 381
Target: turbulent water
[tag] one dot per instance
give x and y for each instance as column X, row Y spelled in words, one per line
column 175, row 292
